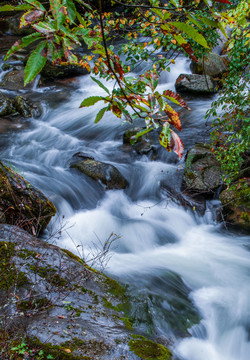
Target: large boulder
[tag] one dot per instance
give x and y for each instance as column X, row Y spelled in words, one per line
column 212, row 64
column 196, row 84
column 60, row 308
column 108, row 174
column 22, row 204
column 202, row 173
column 236, row 204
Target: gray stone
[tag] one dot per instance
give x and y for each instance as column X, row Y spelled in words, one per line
column 197, row 84
column 22, row 204
column 14, row 80
column 108, row 174
column 212, row 64
column 202, row 173
column 6, row 105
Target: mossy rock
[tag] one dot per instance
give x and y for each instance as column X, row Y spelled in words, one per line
column 107, row 174
column 22, row 204
column 236, row 204
column 202, row 173
column 6, row 105
column 14, row 80
column 149, row 350
column 51, row 72
column 213, row 65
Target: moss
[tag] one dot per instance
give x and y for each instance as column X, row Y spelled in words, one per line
column 128, row 323
column 49, row 274
column 35, row 304
column 10, row 275
column 73, row 256
column 148, row 350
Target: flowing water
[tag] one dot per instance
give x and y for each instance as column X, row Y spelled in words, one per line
column 185, row 275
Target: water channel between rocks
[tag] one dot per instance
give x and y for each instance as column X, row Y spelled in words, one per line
column 186, row 275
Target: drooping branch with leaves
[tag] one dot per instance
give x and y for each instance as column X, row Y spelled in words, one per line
column 141, row 29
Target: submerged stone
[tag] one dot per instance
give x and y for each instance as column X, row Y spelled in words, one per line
column 108, row 174
column 22, row 204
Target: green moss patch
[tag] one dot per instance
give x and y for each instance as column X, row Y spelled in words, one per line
column 148, row 350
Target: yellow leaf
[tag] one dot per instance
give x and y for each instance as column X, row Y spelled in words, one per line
column 67, row 350
column 172, row 61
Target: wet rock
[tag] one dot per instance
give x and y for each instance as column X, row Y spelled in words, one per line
column 22, row 204
column 236, row 204
column 144, row 143
column 108, row 174
column 56, row 296
column 213, row 65
column 25, row 107
column 51, row 72
column 197, row 84
column 14, row 80
column 6, row 105
column 202, row 173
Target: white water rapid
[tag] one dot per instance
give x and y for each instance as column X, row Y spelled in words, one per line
column 186, row 274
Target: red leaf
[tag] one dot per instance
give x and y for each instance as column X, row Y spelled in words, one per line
column 176, row 144
column 188, row 49
column 173, row 117
column 224, row 1
column 171, row 94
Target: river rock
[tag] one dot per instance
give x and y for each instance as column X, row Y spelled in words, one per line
column 22, row 204
column 236, row 204
column 196, row 84
column 143, row 145
column 51, row 72
column 213, row 65
column 6, row 105
column 25, row 107
column 108, row 174
column 202, row 173
column 14, row 80
column 65, row 308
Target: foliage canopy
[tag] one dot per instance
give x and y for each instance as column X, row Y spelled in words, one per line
column 118, row 37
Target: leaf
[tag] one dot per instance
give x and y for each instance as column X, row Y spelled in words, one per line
column 194, row 20
column 173, row 117
column 15, row 8
column 224, row 1
column 100, row 114
column 176, row 144
column 165, row 137
column 71, row 9
column 191, row 32
column 175, row 98
column 116, row 110
column 186, row 46
column 91, row 100
column 44, row 27
column 36, row 62
column 67, row 350
column 29, row 17
column 139, row 134
column 36, row 4
column 25, row 41
column 100, row 84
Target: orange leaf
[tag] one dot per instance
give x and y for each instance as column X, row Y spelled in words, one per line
column 176, row 144
column 173, row 117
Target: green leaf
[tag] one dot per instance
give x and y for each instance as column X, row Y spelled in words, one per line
column 71, row 9
column 44, row 27
column 36, row 4
column 194, row 20
column 100, row 114
column 191, row 32
column 100, row 84
column 36, row 62
column 25, row 41
column 92, row 100
column 15, row 8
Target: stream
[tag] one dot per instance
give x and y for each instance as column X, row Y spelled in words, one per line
column 188, row 278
